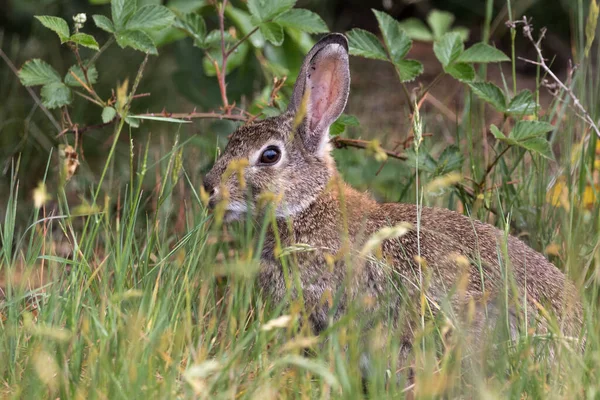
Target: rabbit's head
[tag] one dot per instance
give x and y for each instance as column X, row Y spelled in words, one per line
column 289, row 155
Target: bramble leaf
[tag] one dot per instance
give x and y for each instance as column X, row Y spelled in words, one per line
column 38, row 72
column 365, row 44
column 57, row 25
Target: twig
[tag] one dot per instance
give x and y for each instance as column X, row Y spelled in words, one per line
column 35, row 98
column 223, row 70
column 105, row 46
column 239, row 42
column 527, row 32
column 489, row 168
column 341, row 143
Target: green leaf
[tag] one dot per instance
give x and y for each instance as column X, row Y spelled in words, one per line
column 137, row 40
column 416, row 29
column 396, row 40
column 529, row 135
column 340, row 125
column 590, row 26
column 482, row 53
column 440, row 22
column 522, row 104
column 462, row 32
column 83, row 39
column 304, row 20
column 122, row 10
column 193, row 25
column 234, row 60
column 266, row 10
column 490, row 93
column 55, row 95
column 461, row 71
column 448, row 48
column 132, row 122
column 37, row 72
column 71, row 81
column 273, row 32
column 450, row 160
column 365, row 44
column 243, row 21
column 57, row 25
column 108, row 114
column 104, row 23
column 186, row 6
column 151, row 18
column 408, row 70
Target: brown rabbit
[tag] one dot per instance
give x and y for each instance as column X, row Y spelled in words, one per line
column 289, row 155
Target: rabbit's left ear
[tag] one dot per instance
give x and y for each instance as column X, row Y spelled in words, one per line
column 325, row 81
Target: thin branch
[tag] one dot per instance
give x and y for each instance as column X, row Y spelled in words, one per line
column 35, row 98
column 430, row 86
column 491, row 166
column 105, row 46
column 224, row 55
column 239, row 42
column 341, row 143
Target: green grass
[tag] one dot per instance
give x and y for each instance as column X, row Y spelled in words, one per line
column 157, row 301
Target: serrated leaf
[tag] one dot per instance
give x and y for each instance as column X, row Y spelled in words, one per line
column 266, row 10
column 122, row 11
column 273, row 32
column 132, row 122
column 461, row 71
column 71, row 81
column 137, row 40
column 448, row 48
column 37, row 72
column 482, row 53
column 440, row 22
column 408, row 70
column 490, row 93
column 193, row 25
column 108, row 114
column 340, row 125
column 365, row 44
column 522, row 104
column 57, row 25
column 55, row 95
column 83, row 39
column 234, row 60
column 396, row 40
column 304, row 20
column 450, row 160
column 590, row 26
column 150, row 18
column 529, row 135
column 104, row 23
column 416, row 29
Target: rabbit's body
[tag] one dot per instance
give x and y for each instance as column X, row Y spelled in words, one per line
column 462, row 260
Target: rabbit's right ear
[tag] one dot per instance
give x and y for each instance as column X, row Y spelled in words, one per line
column 324, row 83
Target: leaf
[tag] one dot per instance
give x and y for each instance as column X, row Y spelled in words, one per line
column 55, row 95
column 57, row 25
column 522, row 104
column 440, row 22
column 71, row 81
column 151, row 18
column 234, row 60
column 137, row 40
column 273, row 32
column 396, row 40
column 108, row 114
column 340, row 125
column 193, row 25
column 590, row 26
column 462, row 32
column 37, row 72
column 416, row 29
column 461, row 71
column 448, row 48
column 121, row 11
column 83, row 39
column 265, row 10
column 365, row 44
column 482, row 53
column 450, row 160
column 132, row 122
column 243, row 21
column 304, row 20
column 408, row 70
column 529, row 135
column 104, row 23
column 490, row 93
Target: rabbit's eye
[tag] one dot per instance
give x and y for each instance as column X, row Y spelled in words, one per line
column 271, row 155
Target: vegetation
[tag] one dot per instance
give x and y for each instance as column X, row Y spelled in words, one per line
column 155, row 297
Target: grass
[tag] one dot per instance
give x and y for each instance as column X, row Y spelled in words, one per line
column 158, row 301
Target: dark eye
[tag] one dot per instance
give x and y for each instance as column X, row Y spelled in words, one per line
column 271, row 155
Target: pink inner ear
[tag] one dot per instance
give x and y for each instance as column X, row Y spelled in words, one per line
column 324, row 88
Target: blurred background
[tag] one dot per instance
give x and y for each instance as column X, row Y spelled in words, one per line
column 177, row 82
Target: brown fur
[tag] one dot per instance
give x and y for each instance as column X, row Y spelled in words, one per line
column 462, row 256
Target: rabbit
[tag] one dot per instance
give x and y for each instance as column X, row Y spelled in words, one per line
column 289, row 156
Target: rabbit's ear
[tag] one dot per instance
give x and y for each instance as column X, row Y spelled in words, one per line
column 325, row 81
